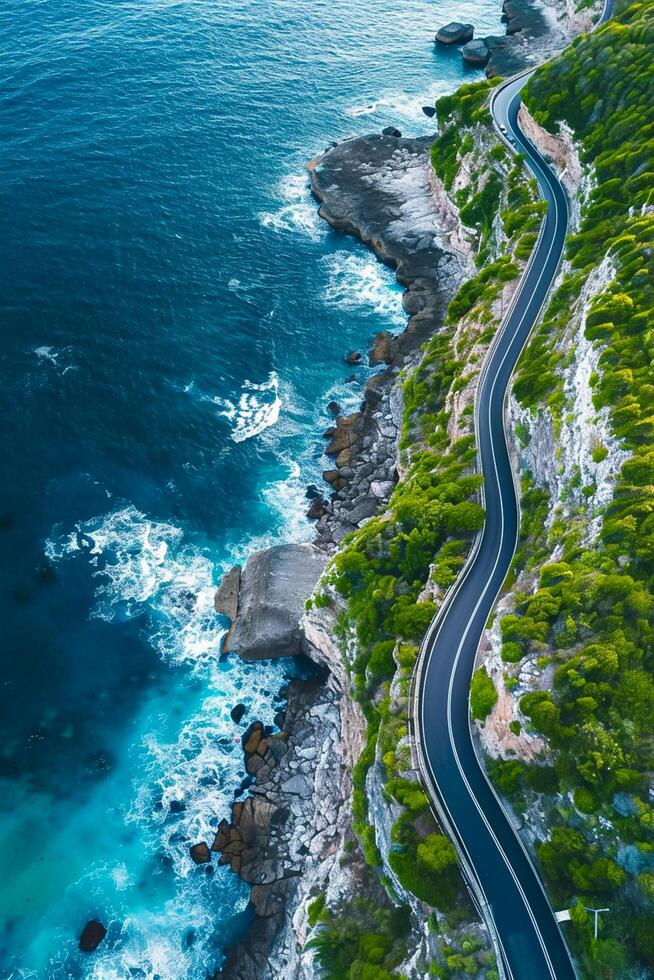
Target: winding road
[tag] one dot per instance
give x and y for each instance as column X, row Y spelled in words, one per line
column 501, row 877
column 499, row 873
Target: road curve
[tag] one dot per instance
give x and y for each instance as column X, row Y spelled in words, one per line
column 527, row 937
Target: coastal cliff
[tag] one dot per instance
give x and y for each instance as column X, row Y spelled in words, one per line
column 323, row 830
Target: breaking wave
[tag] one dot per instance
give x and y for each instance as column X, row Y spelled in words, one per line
column 361, row 282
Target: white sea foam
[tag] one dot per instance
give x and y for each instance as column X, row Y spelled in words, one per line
column 47, row 354
column 202, row 766
column 362, row 282
column 298, row 213
column 186, row 774
column 256, row 409
column 152, row 943
column 50, row 355
column 402, row 108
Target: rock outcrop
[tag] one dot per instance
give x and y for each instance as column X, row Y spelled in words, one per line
column 92, row 935
column 475, row 53
column 273, row 588
column 535, row 31
column 455, row 33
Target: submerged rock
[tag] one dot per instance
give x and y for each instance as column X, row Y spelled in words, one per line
column 200, row 853
column 455, row 33
column 475, row 53
column 237, row 712
column 274, row 586
column 92, row 935
column 429, row 110
column 354, row 357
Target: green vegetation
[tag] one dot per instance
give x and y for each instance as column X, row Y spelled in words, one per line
column 592, row 613
column 482, row 694
column 362, row 943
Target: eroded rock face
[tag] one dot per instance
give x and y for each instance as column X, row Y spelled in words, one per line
column 226, row 597
column 273, row 588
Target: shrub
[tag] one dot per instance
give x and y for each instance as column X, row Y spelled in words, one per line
column 482, row 694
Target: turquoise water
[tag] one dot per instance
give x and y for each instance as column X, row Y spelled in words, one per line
column 174, row 319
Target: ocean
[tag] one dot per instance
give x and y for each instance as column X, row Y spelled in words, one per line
column 174, row 318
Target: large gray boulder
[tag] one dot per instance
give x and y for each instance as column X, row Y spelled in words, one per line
column 274, row 586
column 475, row 53
column 455, row 33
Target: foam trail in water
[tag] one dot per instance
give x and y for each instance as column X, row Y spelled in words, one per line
column 299, row 213
column 257, row 408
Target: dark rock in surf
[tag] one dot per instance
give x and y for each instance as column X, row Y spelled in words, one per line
column 429, row 110
column 392, row 131
column 200, row 853
column 237, row 712
column 92, row 935
column 354, row 357
column 317, row 509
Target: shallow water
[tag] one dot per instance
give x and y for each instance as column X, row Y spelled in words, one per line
column 174, row 319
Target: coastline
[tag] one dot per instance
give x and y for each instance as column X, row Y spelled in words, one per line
column 379, row 189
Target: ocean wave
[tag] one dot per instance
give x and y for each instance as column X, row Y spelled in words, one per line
column 299, row 213
column 362, row 282
column 144, row 566
column 257, row 408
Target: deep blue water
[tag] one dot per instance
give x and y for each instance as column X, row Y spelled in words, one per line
column 174, row 319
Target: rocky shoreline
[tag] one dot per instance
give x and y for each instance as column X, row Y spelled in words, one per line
column 293, row 834
column 380, row 189
column 292, row 838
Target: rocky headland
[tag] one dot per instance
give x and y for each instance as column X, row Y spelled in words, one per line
column 382, row 190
